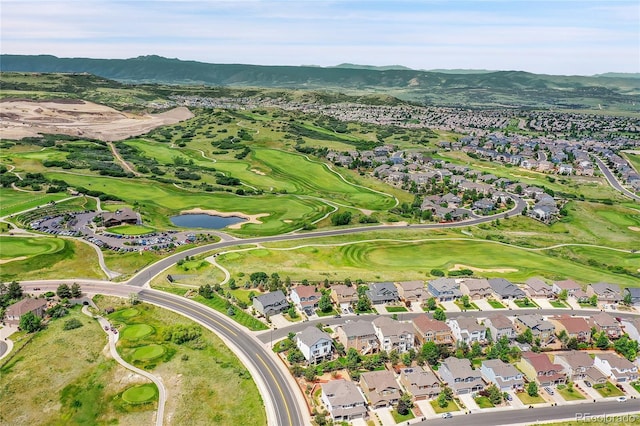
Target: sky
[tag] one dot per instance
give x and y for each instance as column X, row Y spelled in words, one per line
column 569, row 37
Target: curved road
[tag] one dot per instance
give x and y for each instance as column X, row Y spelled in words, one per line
column 612, row 179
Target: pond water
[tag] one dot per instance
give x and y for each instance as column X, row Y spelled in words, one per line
column 205, row 221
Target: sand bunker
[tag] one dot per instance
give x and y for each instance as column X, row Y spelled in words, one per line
column 634, row 228
column 258, row 172
column 13, row 259
column 251, row 218
column 459, row 266
column 23, row 118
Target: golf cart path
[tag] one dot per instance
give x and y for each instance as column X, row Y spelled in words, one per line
column 113, row 339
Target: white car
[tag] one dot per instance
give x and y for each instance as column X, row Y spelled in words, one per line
column 621, row 399
column 447, row 415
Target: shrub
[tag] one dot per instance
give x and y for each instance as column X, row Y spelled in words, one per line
column 72, row 324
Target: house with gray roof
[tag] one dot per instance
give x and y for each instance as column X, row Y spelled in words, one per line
column 343, row 400
column 605, row 292
column 461, row 378
column 575, row 363
column 499, row 326
column 271, row 303
column 537, row 288
column 315, row 344
column 505, row 290
column 444, row 289
column 476, row 288
column 359, row 335
column 467, row 330
column 634, row 293
column 380, row 293
column 632, row 327
column 504, row 376
column 616, row 367
column 540, row 328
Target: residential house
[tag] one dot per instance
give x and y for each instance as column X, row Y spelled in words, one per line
column 539, row 368
column 315, row 344
column 634, row 293
column 604, row 322
column 458, row 374
column 431, row 330
column 575, row 363
column 271, row 303
column 24, row 306
column 411, row 291
column 537, row 288
column 420, row 382
column 343, row 400
column 120, row 217
column 380, row 293
column 577, row 327
column 632, row 327
column 571, row 286
column 380, row 388
column 504, row 376
column 394, row 335
column 499, row 326
column 616, row 367
column 305, row 298
column 540, row 328
column 359, row 335
column 467, row 330
column 444, row 289
column 344, row 296
column 476, row 288
column 505, row 290
column 605, row 292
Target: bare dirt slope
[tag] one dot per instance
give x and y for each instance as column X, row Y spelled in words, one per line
column 21, row 118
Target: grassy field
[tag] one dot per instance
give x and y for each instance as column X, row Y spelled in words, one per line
column 452, row 406
column 51, row 258
column 226, row 394
column 73, row 384
column 12, row 202
column 380, row 260
column 131, row 230
column 608, row 389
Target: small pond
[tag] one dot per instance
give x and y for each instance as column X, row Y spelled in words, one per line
column 205, row 221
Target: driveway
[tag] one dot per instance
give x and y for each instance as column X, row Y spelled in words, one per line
column 515, row 401
column 384, row 414
column 279, row 321
column 427, row 409
column 543, row 303
column 450, row 307
column 630, row 390
column 467, row 400
column 590, row 392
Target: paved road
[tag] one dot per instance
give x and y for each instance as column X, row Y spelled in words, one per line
column 3, row 348
column 151, row 271
column 534, row 415
column 263, row 367
column 612, row 179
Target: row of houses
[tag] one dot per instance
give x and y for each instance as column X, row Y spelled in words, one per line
column 345, row 400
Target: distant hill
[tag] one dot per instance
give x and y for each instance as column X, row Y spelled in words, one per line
column 619, row 75
column 372, row 67
column 461, row 71
column 475, row 90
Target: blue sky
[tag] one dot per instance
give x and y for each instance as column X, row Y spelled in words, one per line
column 553, row 37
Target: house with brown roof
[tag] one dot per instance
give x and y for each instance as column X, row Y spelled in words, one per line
column 420, row 382
column 536, row 287
column 499, row 326
column 343, row 295
column 380, row 388
column 605, row 292
column 305, row 298
column 431, row 330
column 120, row 217
column 394, row 335
column 15, row 311
column 460, row 376
column 604, row 322
column 570, row 285
column 575, row 363
column 343, row 400
column 539, row 368
column 476, row 288
column 577, row 327
column 359, row 335
column 411, row 291
column 616, row 367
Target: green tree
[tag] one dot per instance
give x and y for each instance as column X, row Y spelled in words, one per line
column 63, row 291
column 439, row 315
column 602, row 342
column 442, row 400
column 76, row 291
column 295, row 356
column 626, row 347
column 310, row 374
column 14, row 291
column 364, row 304
column 353, row 359
column 593, row 300
column 30, row 322
column 404, row 404
column 627, row 299
column 324, row 304
column 430, row 353
column 563, row 295
column 525, row 337
column 465, row 301
column 292, row 312
column 476, row 350
column 495, row 396
column 431, row 304
column 532, row 389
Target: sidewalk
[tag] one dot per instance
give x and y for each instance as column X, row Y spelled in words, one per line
column 5, row 332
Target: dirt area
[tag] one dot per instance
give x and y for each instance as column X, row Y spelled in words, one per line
column 251, row 218
column 20, row 118
column 13, row 259
column 258, row 172
column 459, row 266
column 634, row 228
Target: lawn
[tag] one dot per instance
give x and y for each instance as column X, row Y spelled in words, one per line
column 608, row 389
column 140, row 394
column 131, row 230
column 483, row 402
column 226, row 394
column 12, row 202
column 525, row 303
column 399, row 418
column 472, row 306
column 636, row 386
column 570, row 396
column 495, row 304
column 452, row 406
column 326, row 314
column 396, row 309
column 82, row 383
column 558, row 304
column 13, row 247
column 529, row 400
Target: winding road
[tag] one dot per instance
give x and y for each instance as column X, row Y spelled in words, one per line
column 615, row 184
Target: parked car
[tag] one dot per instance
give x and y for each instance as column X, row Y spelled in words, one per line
column 621, row 399
column 337, row 316
column 549, row 390
column 509, row 397
column 447, row 415
column 588, row 383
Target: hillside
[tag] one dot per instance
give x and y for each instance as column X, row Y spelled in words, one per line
column 491, row 89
